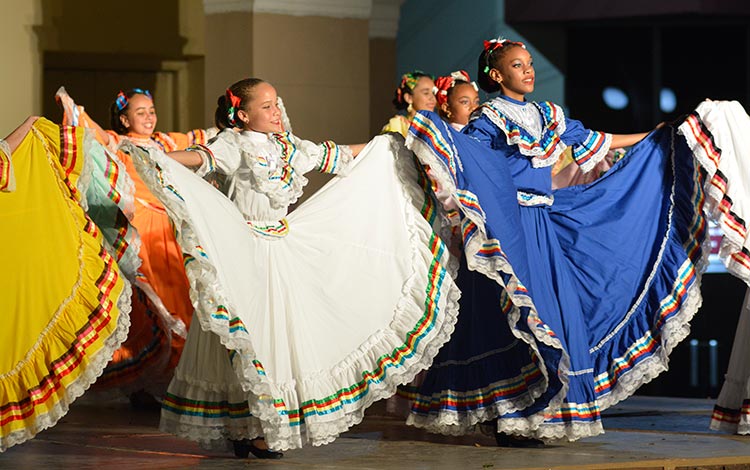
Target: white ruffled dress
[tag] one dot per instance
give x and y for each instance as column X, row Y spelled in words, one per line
column 305, row 318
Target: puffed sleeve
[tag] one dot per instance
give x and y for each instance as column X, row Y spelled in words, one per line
column 397, row 124
column 7, row 179
column 225, row 150
column 208, row 162
column 326, row 157
column 589, row 147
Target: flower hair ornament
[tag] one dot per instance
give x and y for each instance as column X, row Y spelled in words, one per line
column 444, row 84
column 494, row 44
column 408, row 80
column 234, row 106
column 122, row 99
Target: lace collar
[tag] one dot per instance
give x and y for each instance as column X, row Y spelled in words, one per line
column 534, row 127
column 522, row 113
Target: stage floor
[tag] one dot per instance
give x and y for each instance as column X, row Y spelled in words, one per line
column 641, row 433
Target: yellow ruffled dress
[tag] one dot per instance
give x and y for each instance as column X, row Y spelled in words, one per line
column 64, row 303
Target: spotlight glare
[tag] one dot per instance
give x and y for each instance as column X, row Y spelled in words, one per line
column 615, row 98
column 667, row 100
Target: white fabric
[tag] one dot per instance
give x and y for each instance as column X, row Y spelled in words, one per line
column 525, row 115
column 320, row 306
column 5, row 148
column 727, row 191
column 736, row 386
column 249, row 159
column 729, row 126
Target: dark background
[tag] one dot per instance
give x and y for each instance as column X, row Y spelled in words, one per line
column 699, row 50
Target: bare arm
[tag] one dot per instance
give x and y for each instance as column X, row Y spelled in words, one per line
column 15, row 137
column 356, row 148
column 188, row 158
column 626, row 140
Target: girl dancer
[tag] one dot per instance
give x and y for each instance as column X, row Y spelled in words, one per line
column 414, row 93
column 305, row 318
column 569, row 309
column 457, row 97
column 161, row 304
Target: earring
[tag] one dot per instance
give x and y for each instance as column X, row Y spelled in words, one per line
column 410, row 109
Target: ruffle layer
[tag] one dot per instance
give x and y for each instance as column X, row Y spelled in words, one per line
column 715, row 132
column 496, row 266
column 732, row 420
column 81, row 336
column 147, row 358
column 109, row 201
column 589, row 154
column 544, row 151
column 271, row 171
column 287, row 414
column 732, row 409
column 39, row 396
column 335, row 159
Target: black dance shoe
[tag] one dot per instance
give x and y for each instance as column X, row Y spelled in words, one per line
column 246, row 447
column 509, row 440
column 144, row 401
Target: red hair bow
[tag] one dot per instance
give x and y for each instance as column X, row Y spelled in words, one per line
column 233, row 99
column 493, row 44
column 234, row 102
column 443, row 84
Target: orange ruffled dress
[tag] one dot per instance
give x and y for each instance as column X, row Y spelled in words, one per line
column 161, row 303
column 65, row 304
column 162, row 309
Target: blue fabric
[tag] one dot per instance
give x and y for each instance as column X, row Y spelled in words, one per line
column 605, row 267
column 575, row 133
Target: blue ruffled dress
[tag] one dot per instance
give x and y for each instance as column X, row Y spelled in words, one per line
column 572, row 298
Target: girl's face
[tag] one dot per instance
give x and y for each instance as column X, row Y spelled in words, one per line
column 462, row 101
column 140, row 117
column 262, row 113
column 422, row 98
column 515, row 73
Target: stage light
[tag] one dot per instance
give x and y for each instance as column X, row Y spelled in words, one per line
column 615, row 98
column 667, row 100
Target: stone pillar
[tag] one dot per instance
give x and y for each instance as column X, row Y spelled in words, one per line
column 21, row 80
column 229, row 51
column 315, row 52
column 383, row 32
column 96, row 48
